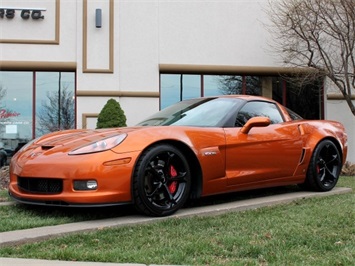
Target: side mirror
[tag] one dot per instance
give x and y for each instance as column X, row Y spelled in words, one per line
column 255, row 122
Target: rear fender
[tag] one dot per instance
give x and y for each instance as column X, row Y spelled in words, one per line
column 314, row 133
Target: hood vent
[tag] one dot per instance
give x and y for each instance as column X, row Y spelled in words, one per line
column 47, row 147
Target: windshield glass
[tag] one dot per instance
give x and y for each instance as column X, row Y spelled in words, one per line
column 203, row 112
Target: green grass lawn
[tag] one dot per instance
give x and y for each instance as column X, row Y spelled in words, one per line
column 316, row 231
column 3, row 195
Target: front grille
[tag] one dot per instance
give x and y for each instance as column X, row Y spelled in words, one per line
column 40, row 185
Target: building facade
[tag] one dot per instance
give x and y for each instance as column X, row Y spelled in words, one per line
column 60, row 61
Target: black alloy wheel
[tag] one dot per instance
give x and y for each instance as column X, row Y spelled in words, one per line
column 161, row 181
column 324, row 167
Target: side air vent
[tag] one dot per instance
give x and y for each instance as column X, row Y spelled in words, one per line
column 302, row 156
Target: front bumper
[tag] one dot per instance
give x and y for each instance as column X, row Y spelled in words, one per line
column 64, row 203
column 111, row 171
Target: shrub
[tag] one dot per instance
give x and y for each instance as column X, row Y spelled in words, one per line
column 348, row 169
column 111, row 115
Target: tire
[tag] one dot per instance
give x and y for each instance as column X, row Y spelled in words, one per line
column 324, row 167
column 161, row 181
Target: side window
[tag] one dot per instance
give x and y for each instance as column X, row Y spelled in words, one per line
column 253, row 109
column 293, row 115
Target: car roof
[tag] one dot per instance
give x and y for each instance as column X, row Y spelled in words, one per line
column 246, row 97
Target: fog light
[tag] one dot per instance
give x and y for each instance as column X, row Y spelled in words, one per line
column 85, row 185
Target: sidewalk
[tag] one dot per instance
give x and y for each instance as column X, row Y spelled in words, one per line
column 42, row 233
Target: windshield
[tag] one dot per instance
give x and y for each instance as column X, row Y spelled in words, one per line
column 202, row 112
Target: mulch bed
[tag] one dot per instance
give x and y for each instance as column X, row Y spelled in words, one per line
column 4, row 177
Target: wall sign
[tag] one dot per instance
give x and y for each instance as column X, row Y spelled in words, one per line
column 25, row 13
column 6, row 114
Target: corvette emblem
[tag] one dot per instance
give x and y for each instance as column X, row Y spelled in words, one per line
column 209, row 153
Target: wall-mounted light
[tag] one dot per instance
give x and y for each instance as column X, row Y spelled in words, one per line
column 98, row 18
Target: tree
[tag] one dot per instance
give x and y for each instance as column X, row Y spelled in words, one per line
column 111, row 115
column 318, row 34
column 58, row 112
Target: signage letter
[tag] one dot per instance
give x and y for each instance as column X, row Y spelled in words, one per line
column 37, row 14
column 25, row 14
column 10, row 13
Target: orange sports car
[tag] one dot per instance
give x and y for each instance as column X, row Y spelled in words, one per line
column 192, row 149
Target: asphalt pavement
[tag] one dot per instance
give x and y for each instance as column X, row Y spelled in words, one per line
column 37, row 234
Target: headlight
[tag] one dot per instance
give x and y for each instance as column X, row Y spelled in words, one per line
column 101, row 145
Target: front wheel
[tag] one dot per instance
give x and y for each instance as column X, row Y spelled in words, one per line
column 161, row 181
column 324, row 167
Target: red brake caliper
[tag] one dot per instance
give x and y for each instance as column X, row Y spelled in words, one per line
column 172, row 187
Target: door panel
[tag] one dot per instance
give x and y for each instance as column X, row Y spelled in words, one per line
column 264, row 153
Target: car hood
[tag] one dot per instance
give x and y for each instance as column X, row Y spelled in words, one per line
column 55, row 145
column 76, row 138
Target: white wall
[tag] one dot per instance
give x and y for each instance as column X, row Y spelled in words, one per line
column 146, row 33
column 214, row 33
column 41, row 30
column 135, row 61
column 149, row 33
column 339, row 110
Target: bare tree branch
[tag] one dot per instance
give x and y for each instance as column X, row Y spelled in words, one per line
column 319, row 34
column 58, row 112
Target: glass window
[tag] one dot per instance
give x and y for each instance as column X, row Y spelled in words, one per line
column 253, row 85
column 277, row 91
column 169, row 89
column 178, row 87
column 204, row 112
column 16, row 102
column 231, row 85
column 293, row 115
column 304, row 98
column 209, row 114
column 191, row 86
column 55, row 103
column 255, row 108
column 250, row 85
column 211, row 85
column 35, row 103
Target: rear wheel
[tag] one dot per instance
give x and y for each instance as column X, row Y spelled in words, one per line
column 161, row 181
column 324, row 167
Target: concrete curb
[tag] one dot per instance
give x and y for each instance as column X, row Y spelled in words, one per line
column 46, row 232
